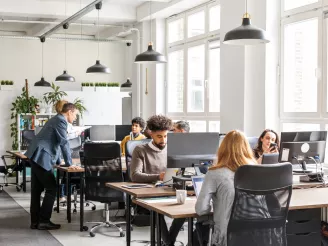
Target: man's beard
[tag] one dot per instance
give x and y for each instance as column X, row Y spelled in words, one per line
column 161, row 147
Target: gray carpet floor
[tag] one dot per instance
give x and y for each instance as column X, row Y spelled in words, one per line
column 15, row 226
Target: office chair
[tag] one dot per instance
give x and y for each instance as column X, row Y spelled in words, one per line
column 27, row 136
column 5, row 170
column 252, row 141
column 260, row 207
column 102, row 164
column 129, row 147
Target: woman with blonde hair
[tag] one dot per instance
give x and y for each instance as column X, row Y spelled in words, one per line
column 218, row 187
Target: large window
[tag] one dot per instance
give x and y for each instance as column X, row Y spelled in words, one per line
column 193, row 69
column 304, row 52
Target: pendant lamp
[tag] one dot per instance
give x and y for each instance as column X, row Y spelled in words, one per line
column 246, row 34
column 127, row 83
column 98, row 67
column 42, row 82
column 65, row 77
column 150, row 56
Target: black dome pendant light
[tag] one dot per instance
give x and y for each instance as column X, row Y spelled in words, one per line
column 98, row 68
column 150, row 56
column 65, row 77
column 246, row 34
column 42, row 82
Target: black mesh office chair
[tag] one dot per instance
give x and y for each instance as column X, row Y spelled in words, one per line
column 102, row 163
column 260, row 207
column 129, row 147
column 27, row 136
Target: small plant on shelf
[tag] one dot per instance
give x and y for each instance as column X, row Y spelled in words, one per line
column 83, row 84
column 87, row 84
column 11, row 82
column 97, row 84
column 3, row 82
column 91, row 84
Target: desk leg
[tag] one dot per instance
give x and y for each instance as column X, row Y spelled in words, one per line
column 24, row 175
column 68, row 192
column 128, row 219
column 152, row 227
column 81, row 201
column 190, row 230
column 58, row 189
column 158, row 229
column 17, row 172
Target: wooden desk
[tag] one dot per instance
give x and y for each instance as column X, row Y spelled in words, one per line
column 141, row 193
column 68, row 172
column 21, row 160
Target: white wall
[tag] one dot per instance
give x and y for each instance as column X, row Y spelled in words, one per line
column 21, row 59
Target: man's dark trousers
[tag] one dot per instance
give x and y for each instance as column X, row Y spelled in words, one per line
column 41, row 180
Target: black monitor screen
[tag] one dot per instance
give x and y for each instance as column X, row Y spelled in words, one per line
column 188, row 149
column 299, row 147
column 121, row 131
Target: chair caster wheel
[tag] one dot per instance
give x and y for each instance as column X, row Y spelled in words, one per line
column 92, row 234
column 87, row 204
column 93, row 208
column 55, row 209
column 85, row 228
column 74, row 211
column 18, row 189
column 122, row 234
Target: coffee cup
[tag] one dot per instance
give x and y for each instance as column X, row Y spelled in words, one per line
column 181, row 196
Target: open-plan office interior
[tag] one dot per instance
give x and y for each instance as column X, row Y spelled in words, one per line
column 202, row 67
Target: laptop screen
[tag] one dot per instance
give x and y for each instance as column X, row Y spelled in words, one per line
column 197, row 182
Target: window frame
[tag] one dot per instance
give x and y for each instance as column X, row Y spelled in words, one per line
column 184, row 45
column 300, row 9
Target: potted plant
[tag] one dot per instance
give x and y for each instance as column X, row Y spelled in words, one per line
column 100, row 87
column 79, row 105
column 51, row 98
column 23, row 104
column 113, row 87
column 7, row 85
column 88, row 87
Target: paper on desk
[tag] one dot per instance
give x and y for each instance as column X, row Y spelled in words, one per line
column 172, row 199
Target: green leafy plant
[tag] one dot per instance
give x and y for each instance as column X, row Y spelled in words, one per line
column 23, row 104
column 3, row 82
column 7, row 82
column 97, row 84
column 91, row 84
column 79, row 105
column 51, row 98
column 86, row 84
column 11, row 82
column 83, row 84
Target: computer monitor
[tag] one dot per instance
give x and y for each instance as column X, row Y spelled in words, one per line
column 300, row 147
column 191, row 149
column 121, row 131
column 102, row 132
column 271, row 158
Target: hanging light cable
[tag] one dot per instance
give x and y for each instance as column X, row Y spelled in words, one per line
column 65, row 77
column 42, row 82
column 246, row 34
column 150, row 56
column 98, row 68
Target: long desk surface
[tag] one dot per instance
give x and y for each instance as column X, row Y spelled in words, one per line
column 301, row 199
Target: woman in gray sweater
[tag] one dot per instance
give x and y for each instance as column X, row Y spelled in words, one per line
column 218, row 187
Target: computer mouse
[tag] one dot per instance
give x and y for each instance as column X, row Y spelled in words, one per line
column 158, row 184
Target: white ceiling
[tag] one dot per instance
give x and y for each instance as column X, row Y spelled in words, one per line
column 35, row 17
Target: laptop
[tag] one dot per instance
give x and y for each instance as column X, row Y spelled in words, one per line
column 197, row 182
column 270, row 158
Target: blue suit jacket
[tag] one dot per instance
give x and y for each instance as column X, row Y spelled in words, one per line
column 46, row 145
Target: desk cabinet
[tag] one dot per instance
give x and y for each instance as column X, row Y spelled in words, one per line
column 303, row 227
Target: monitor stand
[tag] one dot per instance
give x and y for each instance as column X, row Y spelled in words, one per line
column 303, row 170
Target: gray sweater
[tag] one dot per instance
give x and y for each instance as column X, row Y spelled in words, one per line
column 147, row 163
column 218, row 186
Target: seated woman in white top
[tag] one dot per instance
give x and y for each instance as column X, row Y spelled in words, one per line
column 218, row 186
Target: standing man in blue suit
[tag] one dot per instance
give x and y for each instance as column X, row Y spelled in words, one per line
column 44, row 152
